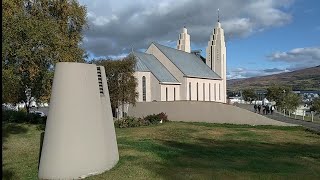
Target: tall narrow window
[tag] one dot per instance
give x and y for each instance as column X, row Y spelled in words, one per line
column 189, row 91
column 166, row 94
column 144, row 89
column 209, row 91
column 211, row 58
column 174, row 94
column 219, row 93
column 204, row 91
column 215, row 92
column 197, row 91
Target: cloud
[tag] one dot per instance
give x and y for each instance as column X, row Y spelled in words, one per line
column 238, row 27
column 298, row 57
column 117, row 26
column 295, row 59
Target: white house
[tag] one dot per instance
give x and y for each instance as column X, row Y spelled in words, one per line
column 168, row 74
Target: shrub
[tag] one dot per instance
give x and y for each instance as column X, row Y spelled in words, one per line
column 35, row 119
column 143, row 122
column 13, row 116
column 135, row 122
column 126, row 122
column 21, row 116
column 163, row 117
column 156, row 118
column 153, row 119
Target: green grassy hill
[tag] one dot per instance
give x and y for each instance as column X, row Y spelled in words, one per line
column 304, row 79
column 177, row 150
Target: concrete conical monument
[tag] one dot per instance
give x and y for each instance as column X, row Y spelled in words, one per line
column 79, row 138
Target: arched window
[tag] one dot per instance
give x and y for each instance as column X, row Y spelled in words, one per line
column 197, row 91
column 189, row 91
column 209, row 91
column 174, row 94
column 144, row 89
column 166, row 94
column 204, row 91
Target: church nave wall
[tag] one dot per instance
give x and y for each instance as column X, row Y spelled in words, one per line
column 204, row 90
column 170, row 92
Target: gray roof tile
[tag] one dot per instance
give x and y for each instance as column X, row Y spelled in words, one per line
column 140, row 66
column 147, row 62
column 188, row 63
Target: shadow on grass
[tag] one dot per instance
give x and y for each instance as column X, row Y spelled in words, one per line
column 209, row 155
column 7, row 130
column 7, row 174
column 245, row 126
column 12, row 128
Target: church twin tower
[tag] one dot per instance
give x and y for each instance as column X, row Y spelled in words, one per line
column 215, row 51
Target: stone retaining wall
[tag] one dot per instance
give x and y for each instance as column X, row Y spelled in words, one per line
column 198, row 111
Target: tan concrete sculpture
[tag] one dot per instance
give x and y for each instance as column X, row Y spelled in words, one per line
column 79, row 138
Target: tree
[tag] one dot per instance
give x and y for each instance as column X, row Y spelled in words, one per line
column 315, row 105
column 278, row 93
column 291, row 101
column 10, row 86
column 284, row 97
column 121, row 81
column 127, row 82
column 36, row 35
column 249, row 95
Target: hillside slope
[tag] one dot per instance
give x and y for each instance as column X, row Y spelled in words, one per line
column 304, row 79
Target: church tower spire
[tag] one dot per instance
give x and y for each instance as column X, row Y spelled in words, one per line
column 183, row 43
column 216, row 54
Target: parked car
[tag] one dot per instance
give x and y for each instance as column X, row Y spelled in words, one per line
column 41, row 114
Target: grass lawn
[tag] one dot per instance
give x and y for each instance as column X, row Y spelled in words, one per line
column 178, row 150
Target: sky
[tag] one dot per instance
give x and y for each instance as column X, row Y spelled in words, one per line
column 262, row 36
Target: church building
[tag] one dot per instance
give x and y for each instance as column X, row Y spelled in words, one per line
column 168, row 74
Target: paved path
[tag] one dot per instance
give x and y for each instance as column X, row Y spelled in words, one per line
column 279, row 117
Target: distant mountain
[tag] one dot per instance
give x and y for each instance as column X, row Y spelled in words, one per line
column 303, row 79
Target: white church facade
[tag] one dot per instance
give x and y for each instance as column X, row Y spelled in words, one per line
column 168, row 74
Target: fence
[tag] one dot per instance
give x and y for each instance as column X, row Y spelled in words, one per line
column 312, row 117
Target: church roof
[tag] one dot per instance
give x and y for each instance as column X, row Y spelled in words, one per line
column 149, row 63
column 188, row 63
column 140, row 66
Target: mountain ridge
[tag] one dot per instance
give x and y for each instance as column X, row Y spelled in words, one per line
column 303, row 79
